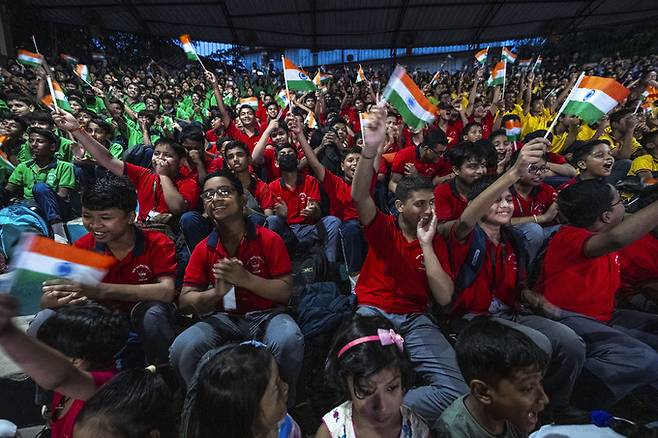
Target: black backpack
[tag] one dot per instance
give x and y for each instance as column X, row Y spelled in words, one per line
column 139, row 155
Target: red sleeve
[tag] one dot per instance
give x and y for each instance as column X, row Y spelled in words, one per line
column 211, row 136
column 163, row 260
column 377, row 228
column 136, row 174
column 233, row 131
column 264, row 196
column 198, row 270
column 276, row 256
column 261, row 114
column 442, row 253
column 216, row 165
column 458, row 250
column 189, row 190
column 85, row 242
column 312, row 188
column 556, row 158
column 401, row 158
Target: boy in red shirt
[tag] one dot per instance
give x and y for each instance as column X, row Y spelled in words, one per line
column 592, row 159
column 581, row 275
column 400, row 272
column 140, row 284
column 426, row 159
column 497, row 287
column 238, row 281
column 297, row 215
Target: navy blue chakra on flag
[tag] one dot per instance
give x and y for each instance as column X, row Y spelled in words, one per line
column 302, row 76
column 63, row 269
column 411, row 102
column 589, row 95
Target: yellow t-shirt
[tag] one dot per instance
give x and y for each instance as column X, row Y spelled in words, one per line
column 532, row 123
column 643, row 163
column 614, row 143
column 559, row 140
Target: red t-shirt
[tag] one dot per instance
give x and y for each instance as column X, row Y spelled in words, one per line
column 153, row 256
column 497, row 278
column 261, row 191
column 249, row 140
column 540, row 198
column 639, row 263
column 351, row 115
column 296, row 199
column 262, row 253
column 339, row 193
column 429, row 170
column 63, row 426
column 449, row 204
column 486, row 123
column 393, row 276
column 453, row 131
column 149, row 190
column 576, row 283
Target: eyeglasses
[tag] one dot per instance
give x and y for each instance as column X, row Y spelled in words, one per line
column 538, row 170
column 621, row 201
column 220, row 192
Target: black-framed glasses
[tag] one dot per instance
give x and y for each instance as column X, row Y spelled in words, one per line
column 621, row 201
column 538, row 170
column 221, row 192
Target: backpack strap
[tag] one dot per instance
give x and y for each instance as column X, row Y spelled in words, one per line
column 473, row 263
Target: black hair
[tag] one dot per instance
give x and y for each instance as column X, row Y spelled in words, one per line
column 412, row 183
column 490, row 351
column 480, row 186
column 364, row 360
column 507, row 117
column 498, row 132
column 650, row 137
column 152, row 96
column 536, row 98
column 178, row 149
column 348, row 151
column 110, row 192
column 582, row 203
column 40, row 116
column 193, row 133
column 106, row 127
column 434, row 137
column 20, row 120
column 540, row 133
column 235, row 182
column 90, row 332
column 581, row 150
column 478, row 151
column 20, row 97
column 148, row 114
column 284, row 146
column 618, row 115
column 467, row 127
column 236, row 144
column 241, row 107
column 45, row 133
column 228, row 393
column 131, row 405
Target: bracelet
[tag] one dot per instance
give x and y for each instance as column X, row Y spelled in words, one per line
column 535, row 216
column 368, row 158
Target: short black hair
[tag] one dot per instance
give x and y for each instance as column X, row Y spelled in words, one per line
column 490, row 351
column 106, row 127
column 412, row 183
column 434, row 137
column 467, row 127
column 108, row 192
column 582, row 203
column 507, row 117
column 148, row 114
column 40, row 116
column 479, row 151
column 20, row 97
column 90, row 332
column 540, row 133
column 581, row 150
column 498, row 132
column 20, row 120
column 193, row 133
column 178, row 149
column 235, row 182
column 45, row 133
column 349, row 151
column 235, row 144
column 618, row 115
column 650, row 137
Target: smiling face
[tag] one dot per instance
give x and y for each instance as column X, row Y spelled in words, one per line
column 473, row 134
column 598, row 164
column 97, row 132
column 107, row 225
column 348, row 165
column 381, row 404
column 470, row 171
column 502, row 145
column 19, row 108
column 246, row 115
column 418, row 206
column 221, row 200
column 519, row 399
column 500, row 212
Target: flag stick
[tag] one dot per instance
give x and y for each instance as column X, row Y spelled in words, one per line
column 52, row 92
column 34, row 41
column 504, row 76
column 285, row 81
column 363, row 128
column 198, row 58
column 535, row 64
column 564, row 105
column 639, row 102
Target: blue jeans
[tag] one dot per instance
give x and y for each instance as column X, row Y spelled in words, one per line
column 325, row 231
column 433, row 360
column 51, row 205
column 534, row 236
column 275, row 329
column 354, row 245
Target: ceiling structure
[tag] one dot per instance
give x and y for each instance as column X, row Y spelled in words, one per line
column 333, row 24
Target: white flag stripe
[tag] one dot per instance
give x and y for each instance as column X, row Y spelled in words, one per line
column 395, row 84
column 594, row 97
column 35, row 262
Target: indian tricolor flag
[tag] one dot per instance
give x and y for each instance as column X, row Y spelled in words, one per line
column 68, row 58
column 481, row 56
column 436, row 77
column 320, row 78
column 360, row 76
column 406, row 97
column 513, row 129
column 497, row 74
column 296, row 78
column 310, row 121
column 29, row 58
column 59, row 97
column 82, row 71
column 508, row 55
column 38, row 259
column 188, row 48
column 282, row 98
column 251, row 101
column 593, row 97
column 525, row 63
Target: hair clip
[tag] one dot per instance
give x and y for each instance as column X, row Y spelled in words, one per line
column 385, row 337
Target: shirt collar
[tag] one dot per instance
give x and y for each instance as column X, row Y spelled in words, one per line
column 252, row 234
column 51, row 165
column 138, row 249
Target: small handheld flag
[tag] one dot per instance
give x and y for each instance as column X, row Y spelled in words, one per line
column 497, row 74
column 310, row 121
column 402, row 93
column 251, row 101
column 537, row 63
column 57, row 97
column 296, row 79
column 524, row 63
column 513, row 129
column 436, row 77
column 282, row 98
column 188, row 48
column 593, row 97
column 29, row 58
column 360, row 76
column 82, row 71
column 508, row 55
column 68, row 58
column 481, row 56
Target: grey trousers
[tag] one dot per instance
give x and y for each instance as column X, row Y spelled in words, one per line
column 433, row 359
column 565, row 348
column 275, row 329
column 621, row 354
column 151, row 320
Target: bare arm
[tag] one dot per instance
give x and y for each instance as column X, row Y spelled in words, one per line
column 175, row 201
column 473, row 93
column 441, row 285
column 309, row 153
column 226, row 116
column 528, row 93
column 257, row 154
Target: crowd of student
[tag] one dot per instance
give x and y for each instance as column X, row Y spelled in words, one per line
column 515, row 246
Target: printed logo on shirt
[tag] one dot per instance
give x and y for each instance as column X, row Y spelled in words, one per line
column 255, row 264
column 303, row 199
column 142, row 272
column 420, row 260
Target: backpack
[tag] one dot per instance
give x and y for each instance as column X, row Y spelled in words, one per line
column 469, row 271
column 16, row 220
column 139, row 155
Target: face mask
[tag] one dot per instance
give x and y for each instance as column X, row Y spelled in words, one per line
column 288, row 163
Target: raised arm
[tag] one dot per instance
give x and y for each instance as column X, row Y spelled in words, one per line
column 531, row 153
column 67, row 122
column 374, row 132
column 257, row 154
column 528, row 93
column 309, row 153
column 474, row 90
column 226, row 116
column 441, row 285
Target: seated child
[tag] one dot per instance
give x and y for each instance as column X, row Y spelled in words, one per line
column 503, row 369
column 368, row 364
column 73, row 358
column 237, row 390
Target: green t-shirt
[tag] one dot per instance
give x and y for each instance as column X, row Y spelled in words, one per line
column 136, row 106
column 116, row 150
column 63, row 153
column 58, row 174
column 457, row 422
column 98, row 106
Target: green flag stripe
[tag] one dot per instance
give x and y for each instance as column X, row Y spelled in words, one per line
column 586, row 111
column 409, row 117
column 301, row 85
